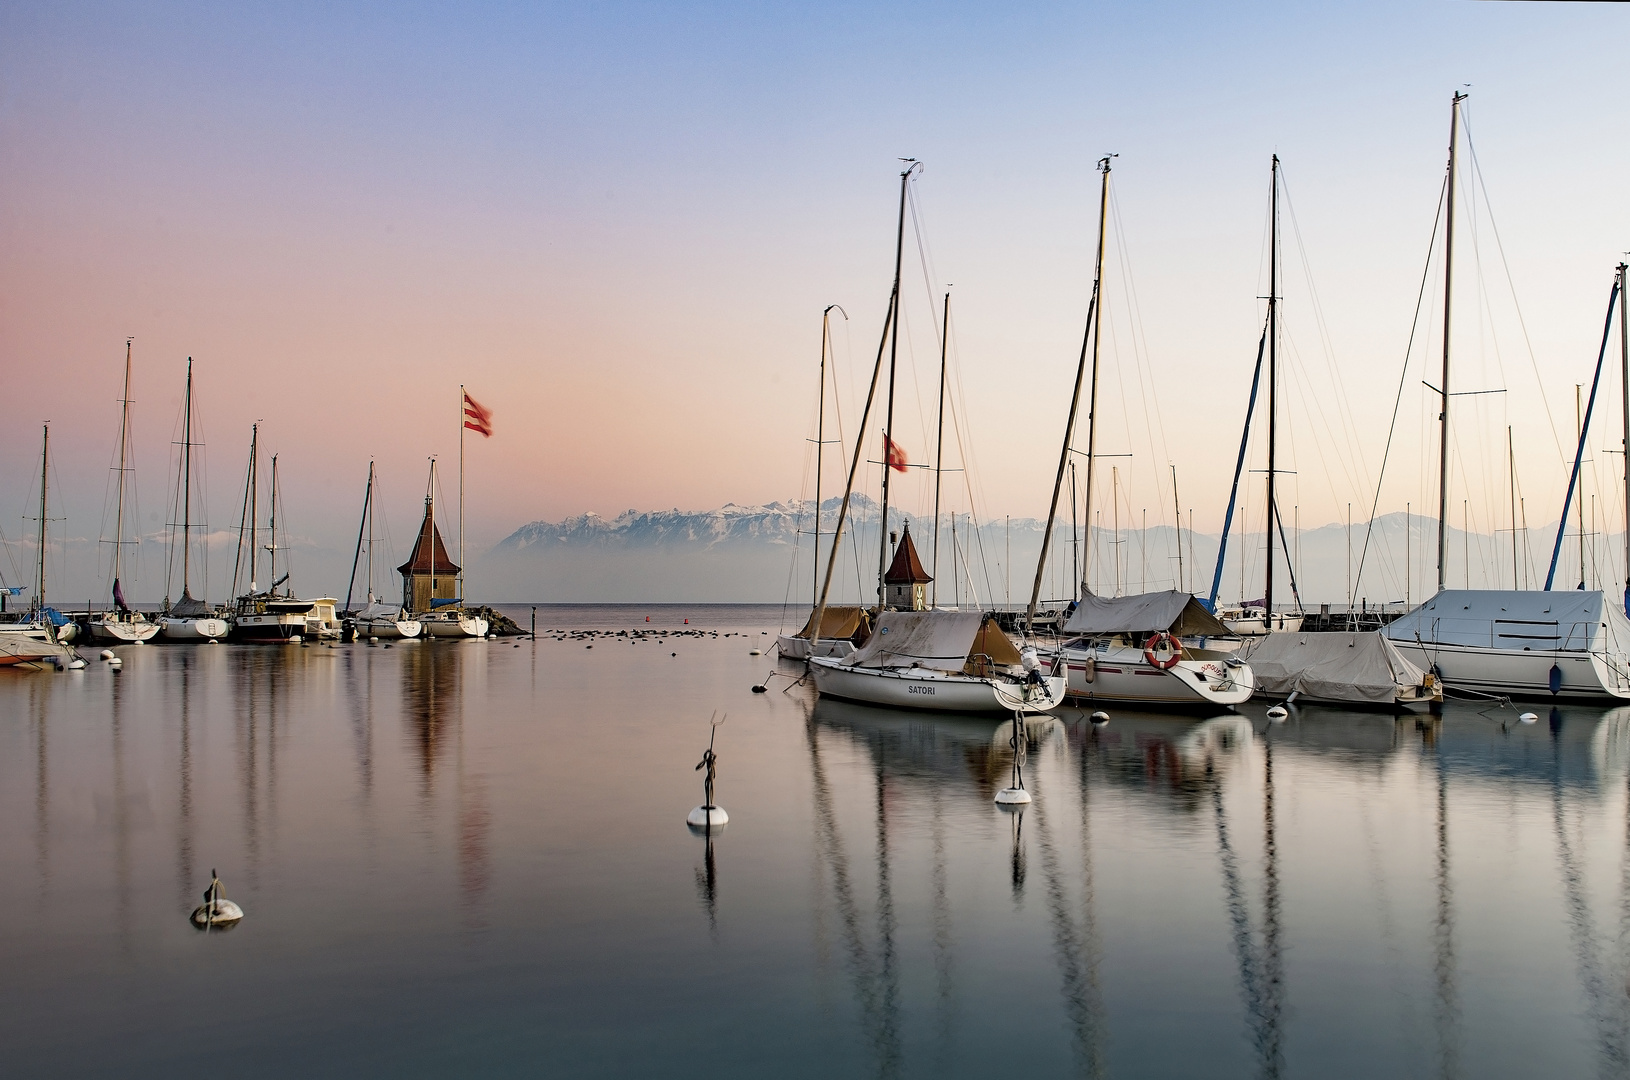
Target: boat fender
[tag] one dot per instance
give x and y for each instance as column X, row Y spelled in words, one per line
column 1163, row 651
column 1092, row 668
column 1556, row 679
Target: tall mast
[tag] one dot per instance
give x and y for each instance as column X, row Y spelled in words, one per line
column 1075, row 532
column 186, row 489
column 430, row 515
column 363, row 528
column 820, row 447
column 1448, row 295
column 888, row 421
column 45, row 464
column 1178, row 512
column 254, row 509
column 1088, row 334
column 271, row 569
column 939, row 447
column 1511, row 476
column 1273, row 384
column 369, row 511
column 459, row 587
column 124, row 442
column 1579, row 422
column 854, row 462
column 1624, row 357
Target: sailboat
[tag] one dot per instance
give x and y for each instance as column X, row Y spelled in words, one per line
column 122, row 624
column 946, row 661
column 1148, row 648
column 377, row 619
column 41, row 637
column 266, row 616
column 430, row 580
column 1251, row 618
column 1525, row 643
column 189, row 619
column 842, row 625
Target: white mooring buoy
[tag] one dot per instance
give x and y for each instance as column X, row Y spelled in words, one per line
column 293, row 639
column 107, row 654
column 1277, row 713
column 1015, row 794
column 216, row 910
column 708, row 817
column 1100, row 717
column 1529, row 718
column 77, row 664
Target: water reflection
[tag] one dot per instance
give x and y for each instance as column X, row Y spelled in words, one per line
column 1447, row 897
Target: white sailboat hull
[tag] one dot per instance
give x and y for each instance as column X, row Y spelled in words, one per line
column 31, row 646
column 203, row 629
column 389, row 629
column 464, row 626
column 123, row 632
column 1254, row 624
column 269, row 626
column 1122, row 674
column 938, row 691
column 793, row 647
column 1522, row 673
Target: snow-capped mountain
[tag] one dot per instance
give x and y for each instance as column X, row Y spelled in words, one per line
column 763, row 554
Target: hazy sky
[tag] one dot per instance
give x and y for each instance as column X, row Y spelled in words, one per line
column 619, row 224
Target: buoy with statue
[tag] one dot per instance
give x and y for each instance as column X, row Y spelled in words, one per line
column 216, row 910
column 1014, row 794
column 709, row 816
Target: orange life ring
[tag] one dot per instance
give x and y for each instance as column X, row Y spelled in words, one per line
column 1173, row 651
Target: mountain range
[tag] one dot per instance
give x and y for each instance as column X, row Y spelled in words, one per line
column 762, row 554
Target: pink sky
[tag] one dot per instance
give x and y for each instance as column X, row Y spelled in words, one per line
column 619, row 228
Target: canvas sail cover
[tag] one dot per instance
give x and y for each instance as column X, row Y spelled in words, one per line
column 379, row 609
column 991, row 642
column 189, row 607
column 838, row 621
column 1173, row 612
column 931, row 639
column 1572, row 620
column 1358, row 667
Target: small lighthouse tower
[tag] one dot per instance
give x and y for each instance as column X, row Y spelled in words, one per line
column 428, row 574
column 905, row 586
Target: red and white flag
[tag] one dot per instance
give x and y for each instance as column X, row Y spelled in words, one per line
column 477, row 417
column 894, row 455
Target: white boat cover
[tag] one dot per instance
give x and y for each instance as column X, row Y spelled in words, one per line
column 931, row 639
column 1357, row 667
column 1571, row 620
column 1173, row 612
column 378, row 609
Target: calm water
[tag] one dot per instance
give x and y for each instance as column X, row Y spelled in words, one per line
column 471, row 859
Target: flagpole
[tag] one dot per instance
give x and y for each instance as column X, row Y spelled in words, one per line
column 461, row 495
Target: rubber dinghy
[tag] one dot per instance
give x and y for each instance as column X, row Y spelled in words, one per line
column 941, row 661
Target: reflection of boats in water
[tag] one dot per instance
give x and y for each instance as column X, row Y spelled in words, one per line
column 933, row 746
